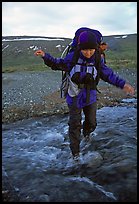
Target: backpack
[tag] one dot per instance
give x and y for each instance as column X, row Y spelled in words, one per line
column 73, row 47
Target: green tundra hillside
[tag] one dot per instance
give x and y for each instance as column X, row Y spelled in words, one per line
column 18, row 51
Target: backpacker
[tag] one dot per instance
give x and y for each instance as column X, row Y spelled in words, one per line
column 73, row 47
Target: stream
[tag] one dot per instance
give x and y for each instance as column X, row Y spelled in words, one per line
column 36, row 158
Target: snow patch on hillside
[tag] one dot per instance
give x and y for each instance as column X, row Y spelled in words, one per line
column 49, row 39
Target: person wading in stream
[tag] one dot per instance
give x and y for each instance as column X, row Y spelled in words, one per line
column 82, row 93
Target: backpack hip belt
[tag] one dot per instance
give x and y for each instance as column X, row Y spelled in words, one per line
column 92, row 86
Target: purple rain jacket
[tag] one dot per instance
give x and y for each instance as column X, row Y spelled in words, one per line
column 106, row 74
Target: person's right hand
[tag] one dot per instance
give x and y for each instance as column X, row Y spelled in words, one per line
column 39, row 53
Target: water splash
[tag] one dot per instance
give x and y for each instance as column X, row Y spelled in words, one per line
column 37, row 150
column 93, row 184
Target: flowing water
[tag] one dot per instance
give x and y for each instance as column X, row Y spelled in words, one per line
column 35, row 154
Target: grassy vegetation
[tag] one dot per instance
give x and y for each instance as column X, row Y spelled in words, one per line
column 115, row 60
column 20, row 68
column 19, row 56
column 121, row 59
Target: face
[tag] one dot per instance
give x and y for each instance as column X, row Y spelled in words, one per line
column 103, row 47
column 88, row 52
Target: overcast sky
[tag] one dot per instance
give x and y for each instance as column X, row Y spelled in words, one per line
column 62, row 19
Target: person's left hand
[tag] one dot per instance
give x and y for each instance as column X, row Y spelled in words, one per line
column 128, row 89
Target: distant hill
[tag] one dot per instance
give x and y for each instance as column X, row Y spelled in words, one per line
column 19, row 50
column 122, row 42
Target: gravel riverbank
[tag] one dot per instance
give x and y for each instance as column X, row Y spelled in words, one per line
column 35, row 94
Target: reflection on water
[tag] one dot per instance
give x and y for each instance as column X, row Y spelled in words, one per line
column 34, row 149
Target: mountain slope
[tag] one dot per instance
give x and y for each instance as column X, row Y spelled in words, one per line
column 19, row 50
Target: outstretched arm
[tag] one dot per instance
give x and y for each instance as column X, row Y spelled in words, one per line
column 109, row 76
column 54, row 63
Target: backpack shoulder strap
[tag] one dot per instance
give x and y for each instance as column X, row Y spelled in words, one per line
column 98, row 64
column 75, row 57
